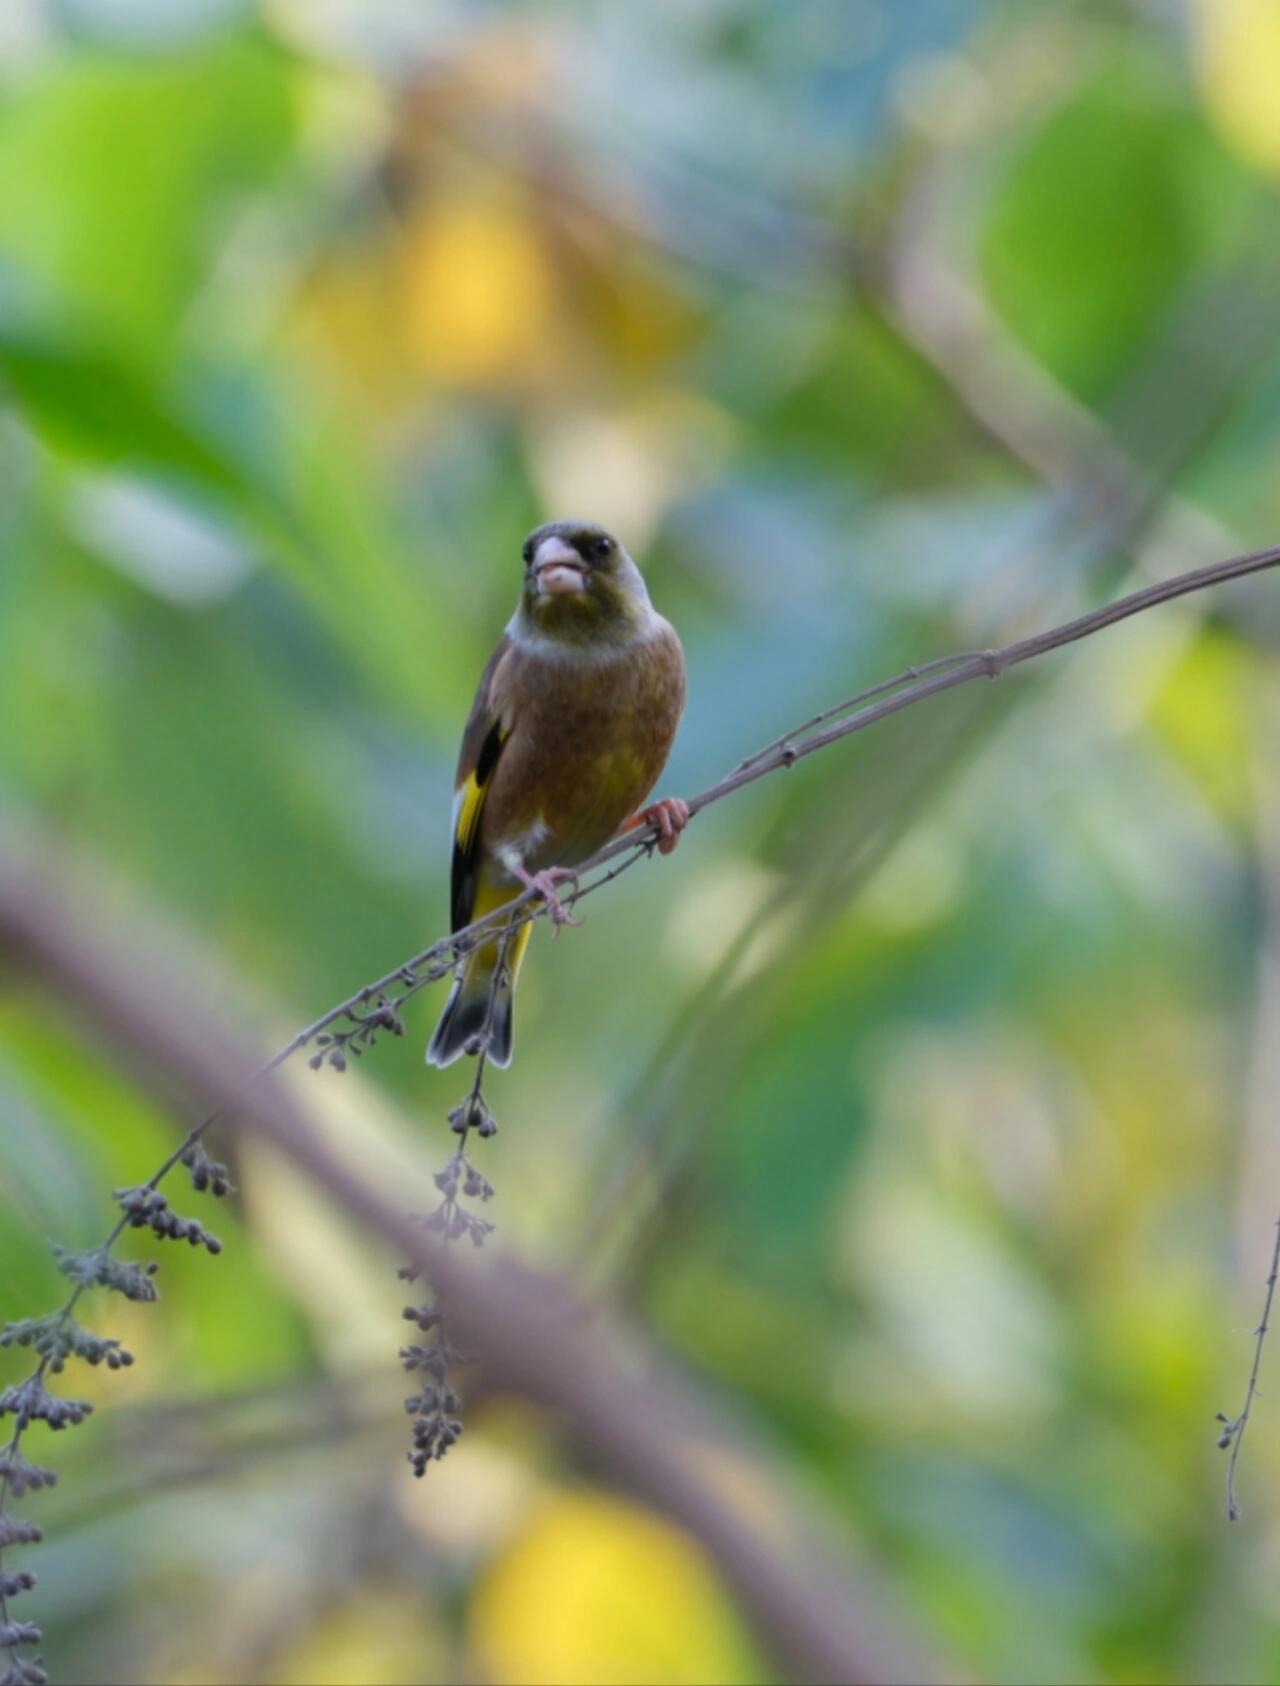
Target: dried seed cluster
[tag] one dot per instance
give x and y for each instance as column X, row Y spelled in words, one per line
column 436, row 1408
column 208, row 1175
column 30, row 1401
column 146, row 1208
column 97, row 1267
column 54, row 1339
column 333, row 1046
column 58, row 1337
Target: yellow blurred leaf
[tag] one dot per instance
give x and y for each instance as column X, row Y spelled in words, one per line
column 347, row 313
column 373, row 1639
column 1237, row 56
column 478, row 295
column 1206, row 712
column 596, row 1590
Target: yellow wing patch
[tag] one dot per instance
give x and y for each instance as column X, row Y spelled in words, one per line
column 468, row 805
column 468, row 800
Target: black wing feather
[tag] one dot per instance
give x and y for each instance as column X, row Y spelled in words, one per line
column 482, row 743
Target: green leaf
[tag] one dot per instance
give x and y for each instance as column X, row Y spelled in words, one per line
column 119, row 174
column 87, row 402
column 1099, row 223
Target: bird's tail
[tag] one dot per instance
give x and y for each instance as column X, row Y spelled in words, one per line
column 468, row 1024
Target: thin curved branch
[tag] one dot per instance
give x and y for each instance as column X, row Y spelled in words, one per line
column 1233, row 1428
column 842, row 720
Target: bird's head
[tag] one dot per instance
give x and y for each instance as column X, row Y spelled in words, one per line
column 580, row 584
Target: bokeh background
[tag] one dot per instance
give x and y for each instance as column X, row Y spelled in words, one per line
column 924, row 1106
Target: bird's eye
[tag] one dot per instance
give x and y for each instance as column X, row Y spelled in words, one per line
column 600, row 548
column 526, row 550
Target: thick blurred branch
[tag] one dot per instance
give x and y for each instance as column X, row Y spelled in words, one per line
column 1171, row 397
column 823, row 1619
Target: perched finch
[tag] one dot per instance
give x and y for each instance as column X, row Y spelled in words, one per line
column 570, row 728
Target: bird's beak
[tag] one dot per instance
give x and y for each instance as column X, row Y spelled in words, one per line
column 557, row 568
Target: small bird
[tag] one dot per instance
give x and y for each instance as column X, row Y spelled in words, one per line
column 571, row 726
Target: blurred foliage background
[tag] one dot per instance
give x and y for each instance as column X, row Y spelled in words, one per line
column 924, row 1106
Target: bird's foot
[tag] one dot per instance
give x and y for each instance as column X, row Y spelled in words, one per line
column 545, row 883
column 669, row 816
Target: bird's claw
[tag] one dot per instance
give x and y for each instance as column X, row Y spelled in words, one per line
column 669, row 816
column 545, row 883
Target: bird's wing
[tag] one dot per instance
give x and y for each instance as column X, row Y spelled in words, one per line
column 482, row 741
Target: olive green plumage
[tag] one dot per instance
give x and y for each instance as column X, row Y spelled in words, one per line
column 571, row 725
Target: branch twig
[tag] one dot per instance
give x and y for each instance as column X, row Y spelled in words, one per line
column 1233, row 1428
column 435, row 1408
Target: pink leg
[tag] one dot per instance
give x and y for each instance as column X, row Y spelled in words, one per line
column 670, row 815
column 545, row 884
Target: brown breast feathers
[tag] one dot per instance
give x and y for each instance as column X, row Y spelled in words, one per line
column 588, row 738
